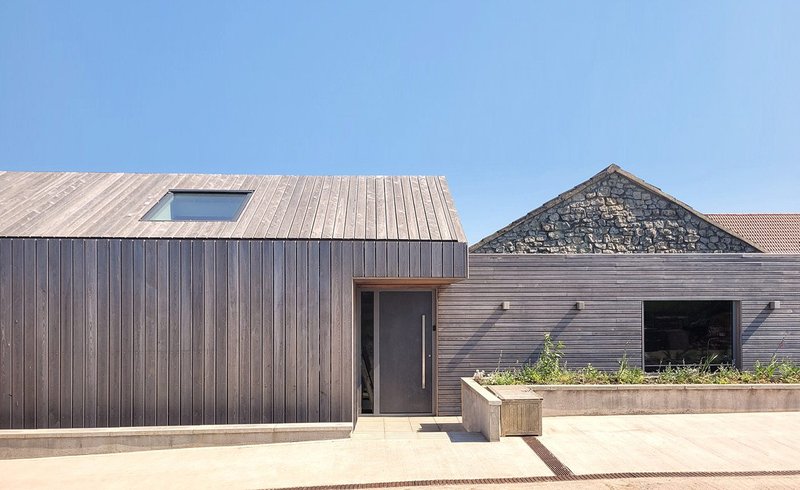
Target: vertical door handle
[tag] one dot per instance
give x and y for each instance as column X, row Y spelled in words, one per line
column 423, row 352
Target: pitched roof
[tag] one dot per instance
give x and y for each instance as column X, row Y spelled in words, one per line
column 69, row 204
column 603, row 174
column 772, row 232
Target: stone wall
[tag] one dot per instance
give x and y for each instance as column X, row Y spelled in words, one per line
column 615, row 215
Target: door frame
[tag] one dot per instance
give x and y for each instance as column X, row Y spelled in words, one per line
column 376, row 290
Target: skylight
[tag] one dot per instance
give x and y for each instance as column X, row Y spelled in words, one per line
column 192, row 205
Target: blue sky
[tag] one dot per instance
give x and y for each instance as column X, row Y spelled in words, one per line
column 514, row 102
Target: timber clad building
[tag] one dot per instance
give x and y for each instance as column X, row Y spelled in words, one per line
column 154, row 299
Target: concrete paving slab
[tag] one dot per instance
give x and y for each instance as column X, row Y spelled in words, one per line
column 702, row 442
column 399, row 454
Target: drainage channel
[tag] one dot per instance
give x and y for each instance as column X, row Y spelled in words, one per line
column 551, row 479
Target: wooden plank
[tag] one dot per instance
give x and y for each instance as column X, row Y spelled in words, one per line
column 426, row 259
column 151, row 294
column 162, row 332
column 53, row 325
column 393, row 259
column 221, row 333
column 65, row 306
column 209, row 338
column 278, row 334
column 381, row 263
column 351, row 218
column 400, row 211
column 174, row 333
column 198, row 329
column 42, row 333
column 256, row 292
column 371, row 232
column 325, row 327
column 357, row 257
column 337, row 302
column 437, row 267
column 369, row 258
column 460, row 258
column 137, row 379
column 294, row 206
column 361, row 209
column 29, row 321
column 126, row 335
column 381, row 218
column 306, row 208
column 323, row 207
column 411, row 215
column 290, row 330
column 18, row 333
column 391, row 213
column 301, row 330
column 244, row 332
column 347, row 349
column 267, row 311
column 429, row 208
column 103, row 332
column 6, row 328
column 439, row 209
column 414, row 259
column 313, row 331
column 447, row 259
column 334, row 214
column 185, row 332
column 404, row 259
column 232, row 333
column 92, row 353
column 419, row 208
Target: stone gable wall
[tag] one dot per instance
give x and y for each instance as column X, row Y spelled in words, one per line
column 615, row 215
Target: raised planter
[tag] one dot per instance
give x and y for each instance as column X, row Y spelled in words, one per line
column 482, row 411
column 665, row 399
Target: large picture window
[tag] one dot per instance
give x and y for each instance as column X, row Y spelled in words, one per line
column 688, row 332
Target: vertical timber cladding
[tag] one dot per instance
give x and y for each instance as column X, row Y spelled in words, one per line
column 124, row 332
column 475, row 333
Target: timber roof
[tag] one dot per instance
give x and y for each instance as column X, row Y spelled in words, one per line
column 772, row 232
column 111, row 205
column 602, row 175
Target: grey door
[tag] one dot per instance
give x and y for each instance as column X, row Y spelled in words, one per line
column 406, row 351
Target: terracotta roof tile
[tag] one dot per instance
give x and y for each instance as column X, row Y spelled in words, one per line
column 773, row 233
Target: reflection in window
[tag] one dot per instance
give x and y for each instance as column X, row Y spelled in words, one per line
column 199, row 206
column 687, row 332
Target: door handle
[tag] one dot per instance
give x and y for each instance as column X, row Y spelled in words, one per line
column 423, row 352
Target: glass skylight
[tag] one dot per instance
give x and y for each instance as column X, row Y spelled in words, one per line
column 193, row 205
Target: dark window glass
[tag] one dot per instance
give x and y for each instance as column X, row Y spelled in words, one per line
column 687, row 332
column 367, row 352
column 198, row 206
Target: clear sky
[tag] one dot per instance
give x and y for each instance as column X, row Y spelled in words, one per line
column 514, row 102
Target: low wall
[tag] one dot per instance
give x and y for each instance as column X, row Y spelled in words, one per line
column 480, row 410
column 34, row 443
column 663, row 399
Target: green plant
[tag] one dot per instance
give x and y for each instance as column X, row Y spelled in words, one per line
column 766, row 372
column 628, row 375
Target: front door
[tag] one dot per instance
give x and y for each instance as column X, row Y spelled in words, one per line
column 406, row 351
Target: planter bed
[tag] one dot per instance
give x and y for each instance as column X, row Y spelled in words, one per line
column 481, row 409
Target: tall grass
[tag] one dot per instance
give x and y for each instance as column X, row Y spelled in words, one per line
column 550, row 368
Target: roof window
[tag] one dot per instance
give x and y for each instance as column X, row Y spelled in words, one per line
column 199, row 205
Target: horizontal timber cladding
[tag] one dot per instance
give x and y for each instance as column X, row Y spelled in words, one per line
column 475, row 333
column 127, row 332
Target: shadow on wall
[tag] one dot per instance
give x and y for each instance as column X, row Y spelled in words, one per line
column 755, row 349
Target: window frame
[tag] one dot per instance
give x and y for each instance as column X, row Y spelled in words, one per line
column 170, row 194
column 736, row 325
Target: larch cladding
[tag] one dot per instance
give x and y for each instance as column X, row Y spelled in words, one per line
column 615, row 215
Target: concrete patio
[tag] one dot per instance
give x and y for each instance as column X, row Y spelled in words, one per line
column 402, row 449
